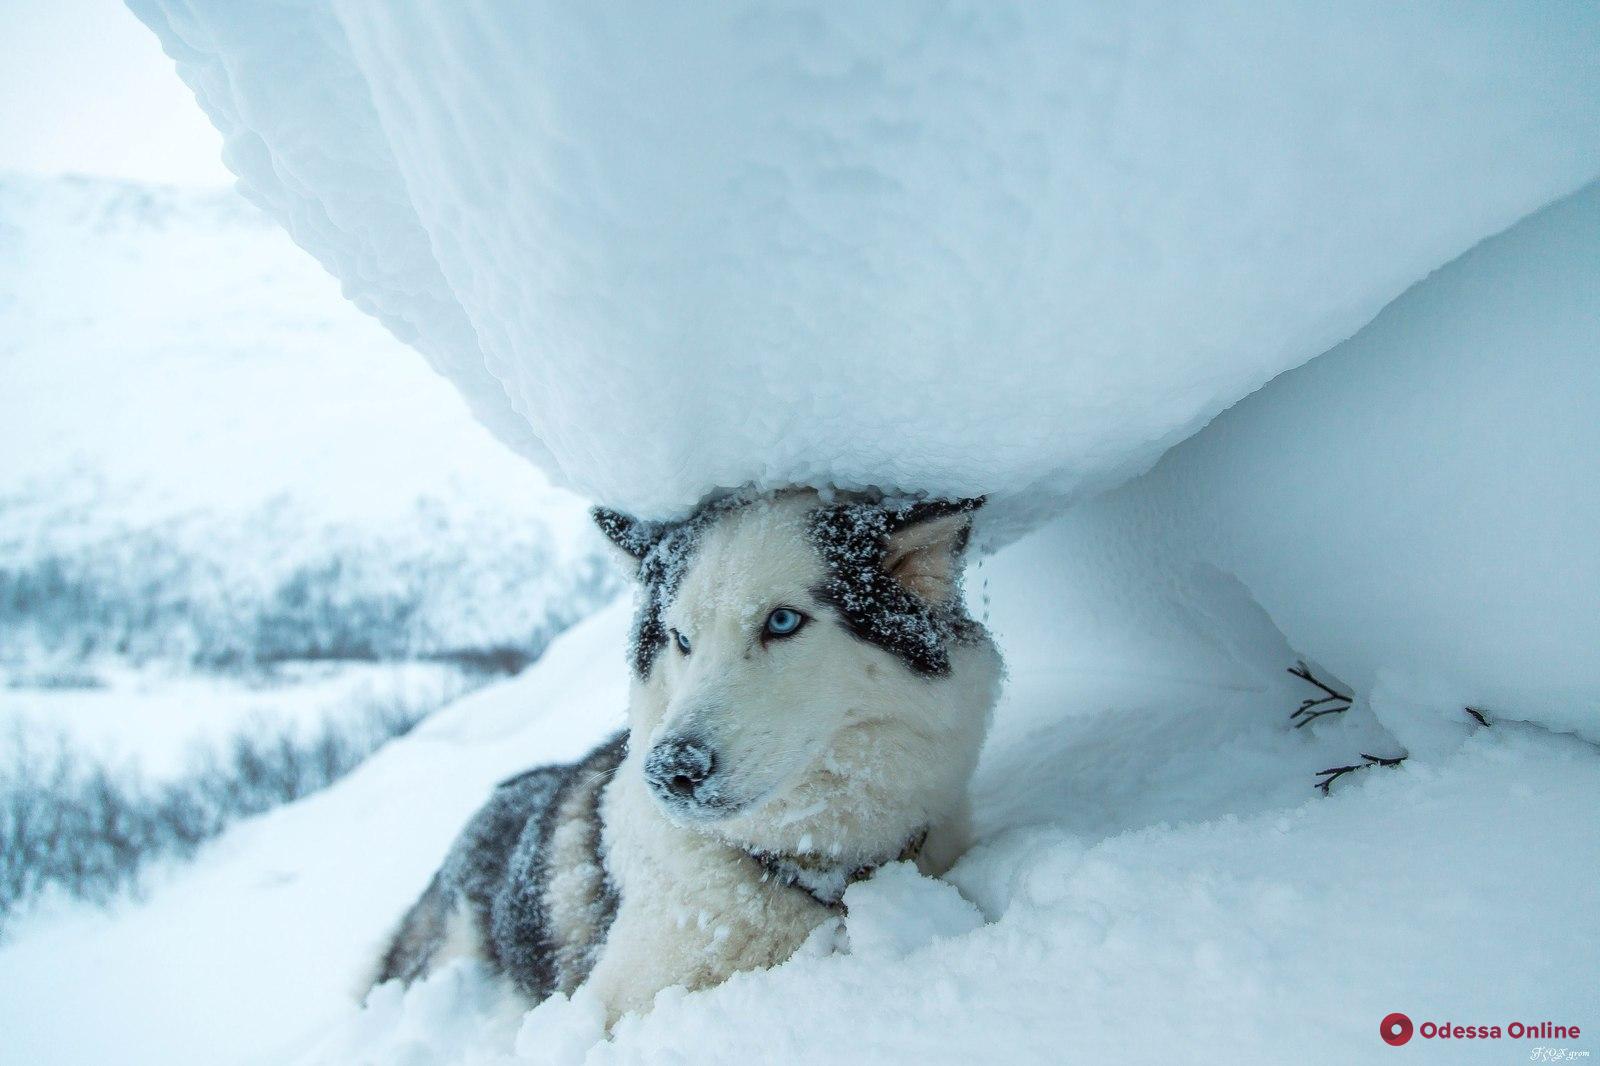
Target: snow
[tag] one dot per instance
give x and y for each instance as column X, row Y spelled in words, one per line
column 1156, row 875
column 1003, row 249
column 663, row 252
column 199, row 437
column 898, row 911
column 172, row 345
column 266, row 936
column 155, row 723
column 1416, row 511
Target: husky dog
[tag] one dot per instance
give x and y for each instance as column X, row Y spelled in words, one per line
column 808, row 700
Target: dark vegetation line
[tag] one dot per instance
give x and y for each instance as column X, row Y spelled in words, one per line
column 77, row 609
column 481, row 591
column 241, row 594
column 79, row 828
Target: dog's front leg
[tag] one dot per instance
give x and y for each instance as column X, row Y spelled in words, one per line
column 691, row 911
column 696, row 943
column 642, row 955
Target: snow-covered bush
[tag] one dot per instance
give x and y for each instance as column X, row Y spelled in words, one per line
column 442, row 581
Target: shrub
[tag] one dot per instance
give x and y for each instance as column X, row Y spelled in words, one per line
column 77, row 827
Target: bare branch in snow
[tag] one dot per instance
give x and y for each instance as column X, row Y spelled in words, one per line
column 1313, row 707
column 1333, row 773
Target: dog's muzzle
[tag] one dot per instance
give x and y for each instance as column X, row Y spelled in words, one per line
column 681, row 772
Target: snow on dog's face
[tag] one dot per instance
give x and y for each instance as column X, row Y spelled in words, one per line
column 797, row 664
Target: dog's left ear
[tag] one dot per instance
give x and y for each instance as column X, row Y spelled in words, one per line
column 632, row 537
column 926, row 544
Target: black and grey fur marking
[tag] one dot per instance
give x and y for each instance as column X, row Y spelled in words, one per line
column 633, row 536
column 499, row 871
column 825, row 881
column 664, row 551
column 853, row 540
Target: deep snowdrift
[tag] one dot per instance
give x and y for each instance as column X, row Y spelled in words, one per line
column 1160, row 878
column 1013, row 249
column 1418, row 511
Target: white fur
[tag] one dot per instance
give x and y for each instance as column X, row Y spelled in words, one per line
column 837, row 751
column 461, row 938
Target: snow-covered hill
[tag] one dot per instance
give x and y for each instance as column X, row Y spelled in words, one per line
column 175, row 344
column 240, row 526
column 209, row 455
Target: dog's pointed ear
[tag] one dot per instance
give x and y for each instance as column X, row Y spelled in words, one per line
column 631, row 537
column 926, row 544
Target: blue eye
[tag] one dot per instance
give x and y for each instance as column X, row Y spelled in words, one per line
column 682, row 641
column 784, row 622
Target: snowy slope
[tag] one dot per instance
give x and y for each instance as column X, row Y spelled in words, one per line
column 257, row 945
column 206, row 454
column 172, row 344
column 1159, row 879
column 665, row 250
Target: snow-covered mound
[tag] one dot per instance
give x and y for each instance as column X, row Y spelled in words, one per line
column 1418, row 511
column 1006, row 248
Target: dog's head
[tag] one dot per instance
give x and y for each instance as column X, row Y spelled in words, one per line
column 791, row 656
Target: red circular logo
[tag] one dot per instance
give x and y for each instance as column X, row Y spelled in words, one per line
column 1395, row 1029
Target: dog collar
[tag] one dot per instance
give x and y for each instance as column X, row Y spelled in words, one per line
column 823, row 881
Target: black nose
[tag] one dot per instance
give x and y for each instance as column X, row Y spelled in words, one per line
column 677, row 768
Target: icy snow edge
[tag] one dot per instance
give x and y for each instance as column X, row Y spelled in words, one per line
column 1009, row 250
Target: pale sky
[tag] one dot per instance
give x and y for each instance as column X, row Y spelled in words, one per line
column 86, row 89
